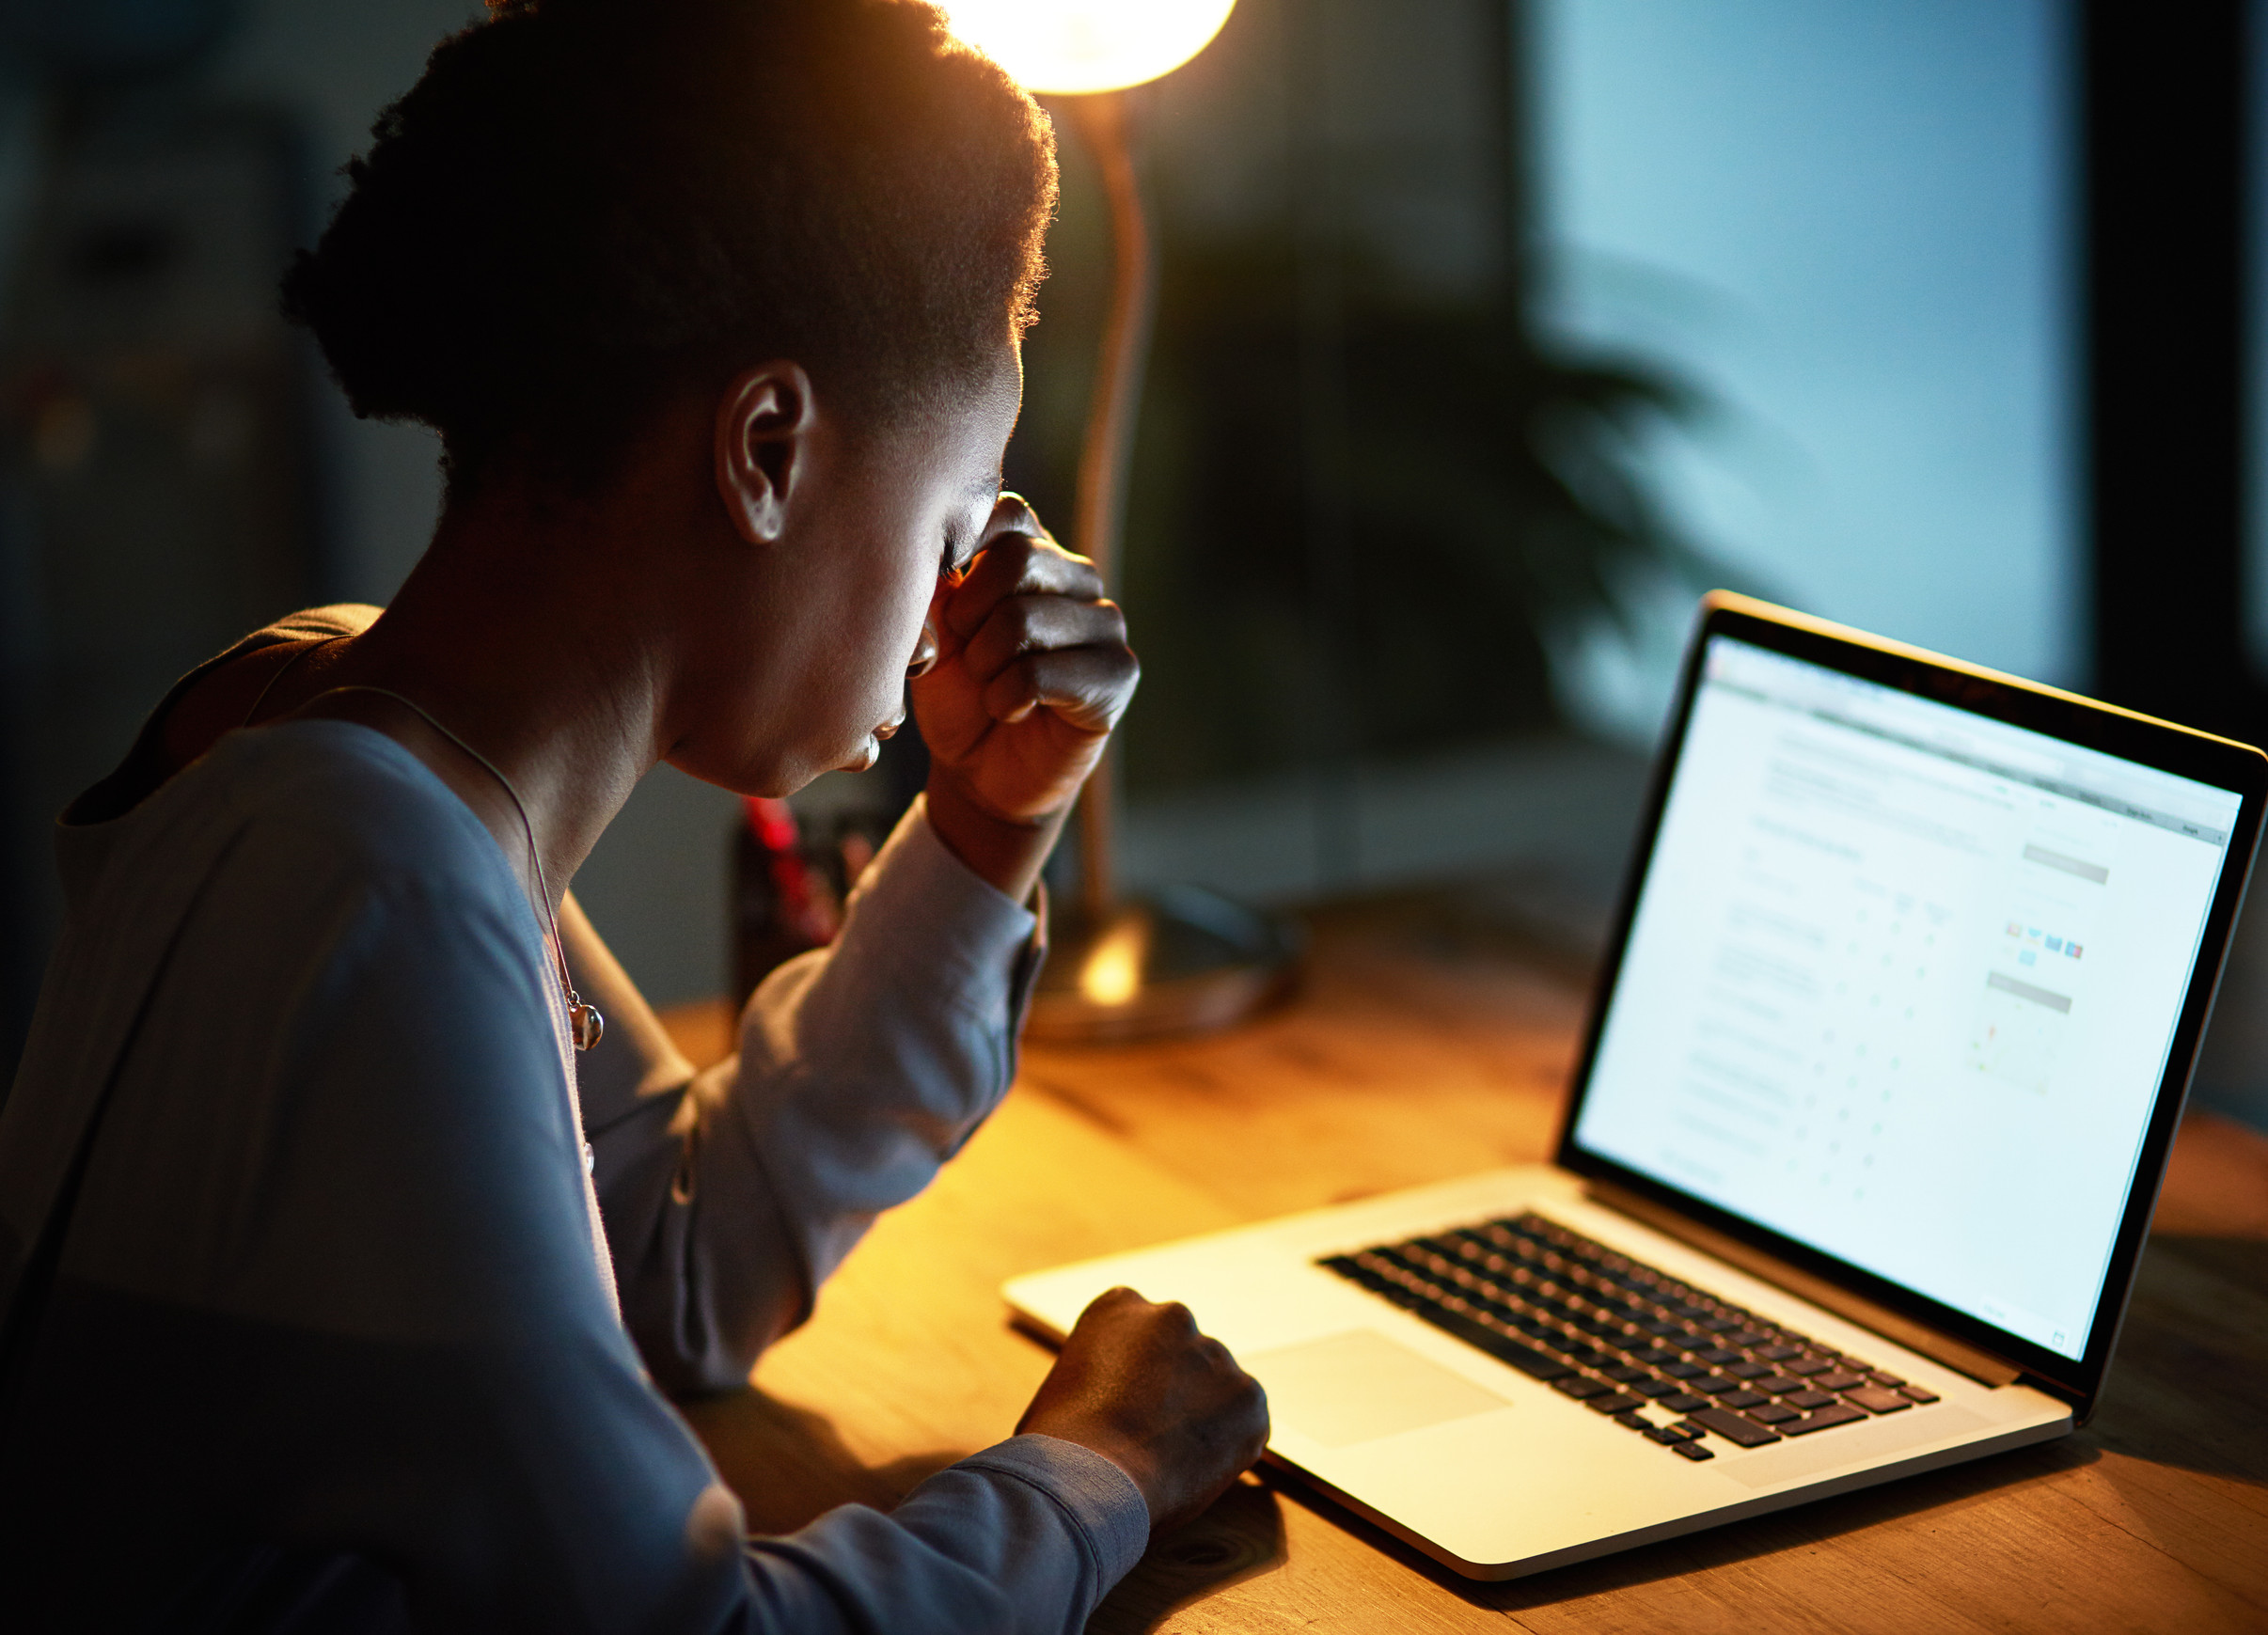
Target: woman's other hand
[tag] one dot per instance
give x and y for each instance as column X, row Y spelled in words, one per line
column 1140, row 1385
column 1031, row 672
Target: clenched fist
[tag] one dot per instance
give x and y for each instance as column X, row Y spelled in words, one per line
column 1023, row 673
column 1140, row 1385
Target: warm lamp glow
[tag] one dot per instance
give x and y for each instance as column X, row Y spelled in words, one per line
column 1112, row 974
column 1074, row 47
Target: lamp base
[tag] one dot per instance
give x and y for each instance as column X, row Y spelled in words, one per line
column 1182, row 960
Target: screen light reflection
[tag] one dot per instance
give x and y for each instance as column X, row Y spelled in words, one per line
column 1075, row 47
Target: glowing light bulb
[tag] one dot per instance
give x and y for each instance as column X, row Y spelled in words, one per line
column 1074, row 47
column 1112, row 974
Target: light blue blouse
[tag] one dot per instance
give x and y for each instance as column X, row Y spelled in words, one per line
column 325, row 1344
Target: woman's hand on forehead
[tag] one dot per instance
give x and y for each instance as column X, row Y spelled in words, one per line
column 1032, row 671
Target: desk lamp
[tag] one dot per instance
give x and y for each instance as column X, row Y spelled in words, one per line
column 1183, row 959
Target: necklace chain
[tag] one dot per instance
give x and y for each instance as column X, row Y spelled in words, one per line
column 584, row 1023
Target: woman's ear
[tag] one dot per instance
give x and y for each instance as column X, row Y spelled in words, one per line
column 764, row 430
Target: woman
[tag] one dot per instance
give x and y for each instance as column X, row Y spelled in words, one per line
column 338, row 1290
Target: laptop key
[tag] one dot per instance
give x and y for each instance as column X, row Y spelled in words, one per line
column 1878, row 1377
column 1916, row 1393
column 1779, row 1353
column 1807, row 1399
column 1807, row 1365
column 1633, row 1420
column 1737, row 1429
column 1748, row 1370
column 1838, row 1413
column 1717, row 1385
column 1780, row 1385
column 1877, row 1399
column 1747, row 1399
column 1693, row 1451
column 1580, row 1386
column 1654, row 1386
column 1837, row 1381
column 1772, row 1413
column 1616, row 1404
column 1685, row 1401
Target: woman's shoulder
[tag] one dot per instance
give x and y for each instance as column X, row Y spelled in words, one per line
column 314, row 807
column 354, row 792
column 149, row 761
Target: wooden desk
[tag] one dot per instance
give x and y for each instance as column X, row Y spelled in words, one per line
column 1421, row 1049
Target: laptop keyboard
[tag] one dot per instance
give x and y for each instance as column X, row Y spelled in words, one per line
column 1628, row 1341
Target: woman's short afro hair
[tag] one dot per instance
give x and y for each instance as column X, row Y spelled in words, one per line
column 586, row 205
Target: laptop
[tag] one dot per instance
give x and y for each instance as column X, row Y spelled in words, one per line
column 1888, row 1049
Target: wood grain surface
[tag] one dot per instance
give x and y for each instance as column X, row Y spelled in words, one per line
column 1423, row 1046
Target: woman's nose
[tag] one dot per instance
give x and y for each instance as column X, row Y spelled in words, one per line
column 924, row 653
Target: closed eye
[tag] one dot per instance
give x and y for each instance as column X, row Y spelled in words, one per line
column 953, row 560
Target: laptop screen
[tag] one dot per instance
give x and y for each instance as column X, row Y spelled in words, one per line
column 1900, row 984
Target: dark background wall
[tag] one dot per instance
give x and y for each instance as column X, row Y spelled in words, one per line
column 1491, row 331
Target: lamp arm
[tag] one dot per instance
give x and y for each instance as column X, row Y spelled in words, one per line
column 1100, row 523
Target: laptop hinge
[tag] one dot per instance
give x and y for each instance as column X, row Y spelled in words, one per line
column 1981, row 1366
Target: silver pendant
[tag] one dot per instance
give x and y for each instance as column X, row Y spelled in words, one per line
column 586, row 1026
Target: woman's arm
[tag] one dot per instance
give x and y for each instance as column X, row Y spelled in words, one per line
column 862, row 1067
column 454, row 1250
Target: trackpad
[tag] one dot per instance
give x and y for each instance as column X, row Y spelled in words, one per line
column 1360, row 1386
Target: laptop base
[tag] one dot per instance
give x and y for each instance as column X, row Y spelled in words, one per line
column 1479, row 1466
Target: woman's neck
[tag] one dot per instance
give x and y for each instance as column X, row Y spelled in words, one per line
column 506, row 636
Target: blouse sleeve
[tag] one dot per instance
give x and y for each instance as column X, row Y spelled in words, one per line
column 862, row 1067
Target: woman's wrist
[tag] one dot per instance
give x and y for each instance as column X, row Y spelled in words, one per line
column 1005, row 853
